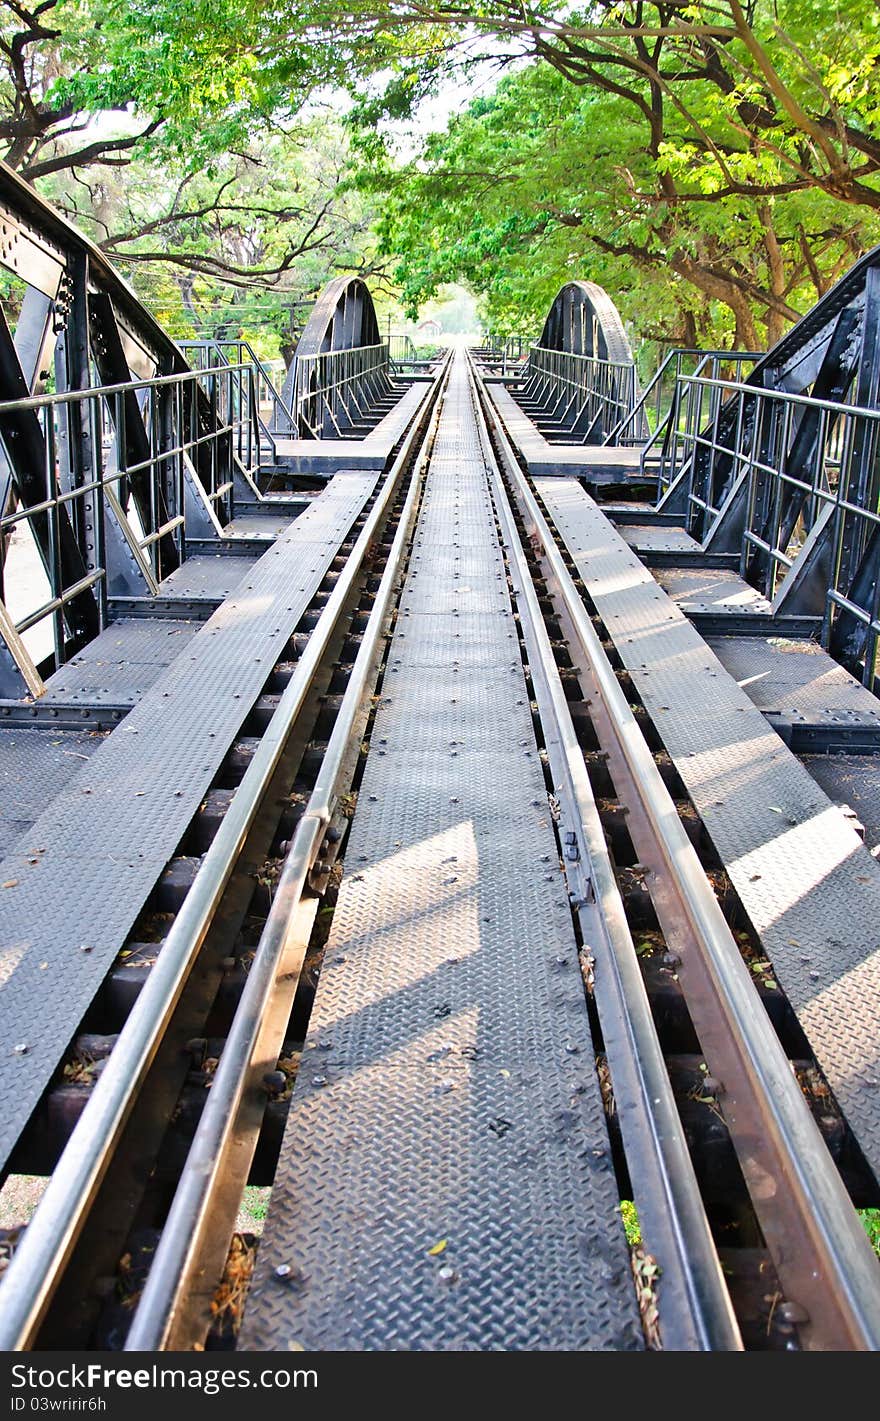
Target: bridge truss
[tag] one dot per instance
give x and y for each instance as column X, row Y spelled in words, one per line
column 474, row 838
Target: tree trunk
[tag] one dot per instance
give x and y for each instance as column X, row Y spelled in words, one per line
column 775, row 321
column 720, row 289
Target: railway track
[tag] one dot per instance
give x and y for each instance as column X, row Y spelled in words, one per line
column 177, row 1089
column 213, row 965
column 602, row 749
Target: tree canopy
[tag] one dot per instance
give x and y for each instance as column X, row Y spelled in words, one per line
column 715, row 163
column 544, row 180
column 727, row 158
column 194, row 165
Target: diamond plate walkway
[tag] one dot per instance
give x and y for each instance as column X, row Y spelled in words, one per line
column 445, row 1180
column 809, row 886
column 75, row 883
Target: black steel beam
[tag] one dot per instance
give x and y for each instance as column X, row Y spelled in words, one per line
column 25, row 446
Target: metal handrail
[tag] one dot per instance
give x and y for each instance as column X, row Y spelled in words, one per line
column 180, row 446
column 67, row 397
column 334, row 390
column 401, row 348
column 783, row 396
column 655, row 386
column 265, row 382
column 753, row 434
column 666, row 429
column 583, row 395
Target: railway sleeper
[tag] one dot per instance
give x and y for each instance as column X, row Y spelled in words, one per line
column 702, row 1118
column 721, row 1181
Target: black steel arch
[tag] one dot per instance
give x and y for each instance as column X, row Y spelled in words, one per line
column 81, row 317
column 585, row 321
column 582, row 381
column 343, row 319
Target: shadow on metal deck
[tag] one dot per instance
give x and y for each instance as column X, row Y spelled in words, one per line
column 76, row 879
column 446, row 1179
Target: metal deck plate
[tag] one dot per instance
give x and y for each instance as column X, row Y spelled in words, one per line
column 206, row 576
column 853, row 781
column 120, row 664
column 447, row 1096
column 110, row 831
column 798, row 680
column 326, row 456
column 598, row 463
column 809, row 886
column 647, row 539
column 708, row 589
column 35, row 765
column 257, row 525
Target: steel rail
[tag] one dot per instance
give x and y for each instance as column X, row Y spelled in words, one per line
column 173, row 1309
column 697, row 1313
column 818, row 1245
column 37, row 1266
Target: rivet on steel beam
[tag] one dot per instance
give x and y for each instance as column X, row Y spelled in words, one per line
column 792, row 1312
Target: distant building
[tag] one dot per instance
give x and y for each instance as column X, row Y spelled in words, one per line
column 430, row 328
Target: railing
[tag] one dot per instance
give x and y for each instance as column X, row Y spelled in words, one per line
column 334, row 392
column 503, row 355
column 147, row 441
column 510, row 348
column 401, row 348
column 582, row 397
column 803, row 469
column 516, row 348
column 204, row 353
column 662, row 403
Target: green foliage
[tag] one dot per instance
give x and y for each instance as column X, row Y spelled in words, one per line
column 871, row 1220
column 545, row 180
column 253, row 1208
column 631, row 1224
column 715, row 164
column 236, row 248
column 186, row 79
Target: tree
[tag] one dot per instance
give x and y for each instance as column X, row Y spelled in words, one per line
column 153, row 127
column 750, row 129
column 86, row 82
column 776, row 95
column 238, row 245
column 545, row 180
